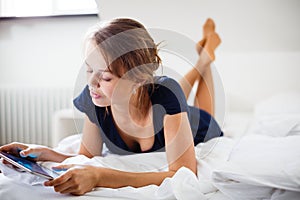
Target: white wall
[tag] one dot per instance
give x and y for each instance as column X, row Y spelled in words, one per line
column 42, row 51
column 256, row 25
column 48, row 51
column 260, row 51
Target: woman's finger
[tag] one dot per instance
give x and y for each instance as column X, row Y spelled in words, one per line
column 66, row 186
column 5, row 162
column 62, row 167
column 13, row 147
column 29, row 152
column 72, row 190
column 59, row 180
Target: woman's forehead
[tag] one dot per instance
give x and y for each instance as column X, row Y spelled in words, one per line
column 90, row 47
column 94, row 57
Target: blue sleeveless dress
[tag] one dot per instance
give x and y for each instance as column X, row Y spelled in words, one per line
column 166, row 97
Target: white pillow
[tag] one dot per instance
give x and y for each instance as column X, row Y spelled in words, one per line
column 259, row 163
column 279, row 125
column 277, row 116
column 282, row 103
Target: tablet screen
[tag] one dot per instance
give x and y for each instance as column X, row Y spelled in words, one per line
column 27, row 165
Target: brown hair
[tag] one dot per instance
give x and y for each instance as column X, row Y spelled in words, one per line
column 129, row 50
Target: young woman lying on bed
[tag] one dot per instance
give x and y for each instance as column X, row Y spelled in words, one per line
column 132, row 111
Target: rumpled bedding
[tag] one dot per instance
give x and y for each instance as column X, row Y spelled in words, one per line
column 255, row 166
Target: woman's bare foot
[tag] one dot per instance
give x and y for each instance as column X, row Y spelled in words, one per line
column 208, row 28
column 207, row 55
column 212, row 42
column 209, row 43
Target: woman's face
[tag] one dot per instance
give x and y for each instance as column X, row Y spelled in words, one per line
column 105, row 88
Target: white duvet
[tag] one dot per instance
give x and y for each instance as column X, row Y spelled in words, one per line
column 255, row 166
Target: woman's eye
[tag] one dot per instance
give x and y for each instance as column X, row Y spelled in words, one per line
column 89, row 71
column 106, row 79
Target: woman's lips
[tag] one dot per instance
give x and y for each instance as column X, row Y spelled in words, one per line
column 95, row 95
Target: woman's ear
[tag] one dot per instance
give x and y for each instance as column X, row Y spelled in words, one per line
column 141, row 83
column 135, row 87
column 134, row 90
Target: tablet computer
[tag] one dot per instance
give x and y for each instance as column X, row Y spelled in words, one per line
column 29, row 166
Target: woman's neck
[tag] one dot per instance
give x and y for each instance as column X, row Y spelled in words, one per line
column 131, row 110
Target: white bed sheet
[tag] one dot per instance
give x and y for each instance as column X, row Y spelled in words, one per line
column 216, row 159
column 184, row 185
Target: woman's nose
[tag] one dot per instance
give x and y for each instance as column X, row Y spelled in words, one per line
column 93, row 81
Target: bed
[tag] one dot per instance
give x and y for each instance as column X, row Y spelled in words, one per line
column 256, row 159
column 258, row 108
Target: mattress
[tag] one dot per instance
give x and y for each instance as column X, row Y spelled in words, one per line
column 222, row 167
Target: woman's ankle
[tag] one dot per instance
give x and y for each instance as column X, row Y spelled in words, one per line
column 212, row 42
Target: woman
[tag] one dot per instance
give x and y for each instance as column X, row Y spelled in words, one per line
column 132, row 111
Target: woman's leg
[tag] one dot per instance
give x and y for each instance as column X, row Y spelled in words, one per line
column 193, row 76
column 201, row 72
column 189, row 79
column 204, row 98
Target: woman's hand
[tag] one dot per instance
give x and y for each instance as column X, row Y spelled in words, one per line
column 34, row 152
column 77, row 180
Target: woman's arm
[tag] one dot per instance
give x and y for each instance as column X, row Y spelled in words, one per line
column 179, row 142
column 180, row 152
column 91, row 143
column 81, row 179
column 115, row 179
column 36, row 152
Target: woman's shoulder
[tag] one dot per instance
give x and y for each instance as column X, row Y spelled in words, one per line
column 165, row 85
column 164, row 80
column 168, row 93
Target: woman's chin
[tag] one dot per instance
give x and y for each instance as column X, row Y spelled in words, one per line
column 100, row 103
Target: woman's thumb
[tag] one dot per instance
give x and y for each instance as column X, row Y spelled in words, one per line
column 29, row 152
column 62, row 167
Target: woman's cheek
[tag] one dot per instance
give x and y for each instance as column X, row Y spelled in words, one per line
column 107, row 91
